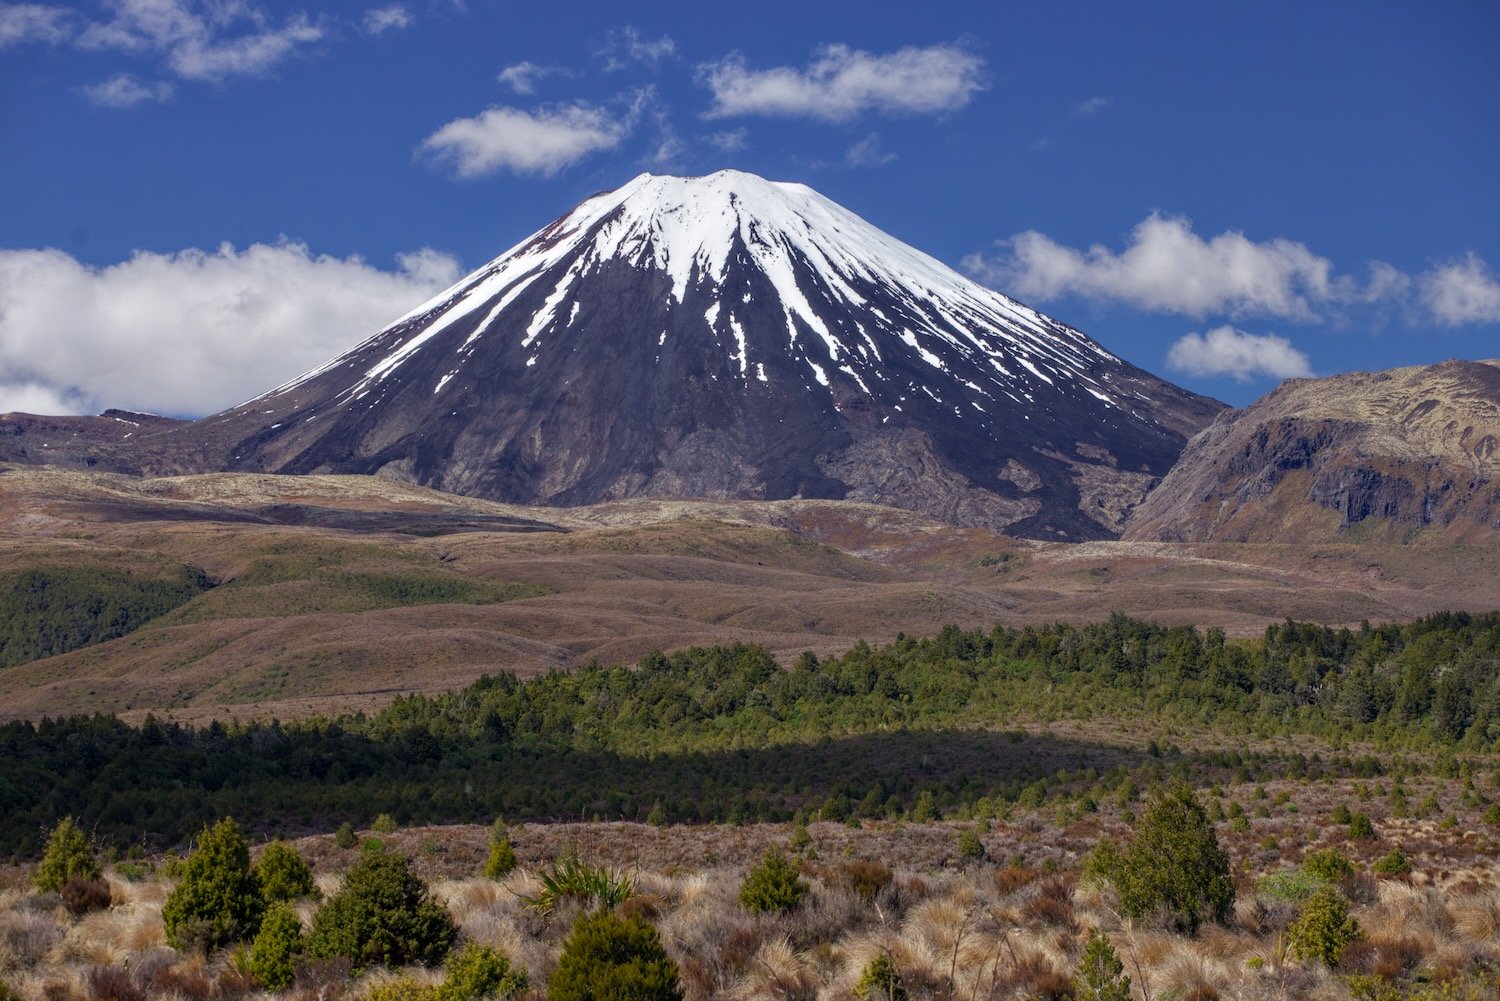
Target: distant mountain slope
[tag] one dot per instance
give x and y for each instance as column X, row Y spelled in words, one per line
column 1360, row 456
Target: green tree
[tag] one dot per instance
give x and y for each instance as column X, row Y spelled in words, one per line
column 1173, row 864
column 1323, row 928
column 502, row 858
column 1101, row 975
column 277, row 947
column 383, row 913
column 610, row 958
column 773, row 885
column 68, row 856
column 283, row 874
column 218, row 900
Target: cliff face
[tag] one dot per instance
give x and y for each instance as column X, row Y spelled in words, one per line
column 1365, row 455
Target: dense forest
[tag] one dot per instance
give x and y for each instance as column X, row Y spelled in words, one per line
column 726, row 734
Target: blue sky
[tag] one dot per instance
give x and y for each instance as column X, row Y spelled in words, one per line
column 199, row 200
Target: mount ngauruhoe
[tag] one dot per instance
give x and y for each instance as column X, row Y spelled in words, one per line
column 723, row 337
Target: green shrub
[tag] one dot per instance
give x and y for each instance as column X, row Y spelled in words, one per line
column 1290, row 885
column 477, row 971
column 385, row 824
column 1393, row 864
column 1173, row 864
column 401, row 989
column 773, row 885
column 880, row 981
column 1360, row 828
column 68, row 856
column 801, row 838
column 1101, row 975
column 1492, row 815
column 1328, row 864
column 277, row 947
column 610, row 957
column 283, row 874
column 502, row 859
column 970, row 848
column 218, row 899
column 344, row 837
column 1341, row 814
column 1323, row 928
column 382, row 914
column 570, row 878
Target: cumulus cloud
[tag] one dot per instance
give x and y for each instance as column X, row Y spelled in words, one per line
column 540, row 142
column 842, row 83
column 867, row 153
column 192, row 332
column 379, row 20
column 1231, row 352
column 1462, row 292
column 522, row 77
column 200, row 40
column 1170, row 268
column 125, row 91
column 34, row 22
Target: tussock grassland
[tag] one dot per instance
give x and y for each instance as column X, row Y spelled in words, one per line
column 1012, row 924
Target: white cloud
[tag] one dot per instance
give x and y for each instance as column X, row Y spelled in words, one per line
column 202, row 40
column 1462, row 292
column 867, row 153
column 381, row 19
column 1091, row 107
column 842, row 83
column 540, row 142
column 191, row 332
column 626, row 46
column 33, row 22
column 1168, row 267
column 522, row 77
column 730, row 140
column 125, row 91
column 1227, row 351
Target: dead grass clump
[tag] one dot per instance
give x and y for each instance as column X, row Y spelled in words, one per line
column 1031, row 973
column 1051, row 904
column 646, row 907
column 112, row 983
column 865, row 879
column 25, row 937
column 1012, row 878
column 778, row 970
column 1387, row 958
column 83, row 896
column 1477, row 916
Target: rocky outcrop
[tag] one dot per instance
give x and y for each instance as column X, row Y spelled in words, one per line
column 1385, row 454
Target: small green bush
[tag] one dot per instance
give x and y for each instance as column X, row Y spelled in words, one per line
column 772, row 886
column 382, row 914
column 218, row 900
column 1492, row 815
column 401, row 989
column 68, row 856
column 970, row 848
column 1323, row 928
column 1341, row 814
column 1101, row 975
column 1328, row 864
column 1360, row 827
column 385, row 824
column 880, row 981
column 1173, row 864
column 477, row 971
column 610, row 957
column 345, row 837
column 283, row 874
column 1289, row 885
column 502, row 859
column 277, row 948
column 1393, row 863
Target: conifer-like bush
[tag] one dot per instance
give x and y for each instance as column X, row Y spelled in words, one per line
column 477, row 971
column 283, row 874
column 1101, row 975
column 218, row 900
column 382, row 914
column 277, row 948
column 1173, row 865
column 502, row 858
column 1323, row 928
column 1393, row 863
column 607, row 956
column 68, row 856
column 970, row 848
column 880, row 981
column 772, row 886
column 1328, row 864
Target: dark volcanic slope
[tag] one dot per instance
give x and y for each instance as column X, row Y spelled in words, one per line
column 1382, row 453
column 721, row 337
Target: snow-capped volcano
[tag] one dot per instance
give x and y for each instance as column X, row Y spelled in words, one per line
column 729, row 336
